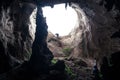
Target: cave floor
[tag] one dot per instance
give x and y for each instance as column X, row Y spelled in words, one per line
column 78, row 69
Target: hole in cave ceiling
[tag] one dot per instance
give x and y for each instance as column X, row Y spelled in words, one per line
column 63, row 21
column 59, row 19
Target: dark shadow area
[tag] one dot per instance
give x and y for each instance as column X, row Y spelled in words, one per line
column 116, row 34
column 110, row 71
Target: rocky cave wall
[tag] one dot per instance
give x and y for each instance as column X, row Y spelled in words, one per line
column 23, row 37
column 16, row 32
column 103, row 25
column 92, row 35
column 16, row 39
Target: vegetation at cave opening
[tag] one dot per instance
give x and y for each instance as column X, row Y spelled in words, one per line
column 68, row 70
column 67, row 51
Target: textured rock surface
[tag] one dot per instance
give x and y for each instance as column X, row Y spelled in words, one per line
column 103, row 25
column 92, row 34
column 15, row 33
column 97, row 27
column 55, row 45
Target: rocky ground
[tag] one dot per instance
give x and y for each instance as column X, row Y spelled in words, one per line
column 77, row 69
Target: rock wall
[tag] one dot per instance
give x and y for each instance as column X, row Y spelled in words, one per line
column 93, row 35
column 103, row 25
column 16, row 36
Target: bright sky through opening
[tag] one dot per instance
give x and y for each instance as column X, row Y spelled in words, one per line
column 59, row 19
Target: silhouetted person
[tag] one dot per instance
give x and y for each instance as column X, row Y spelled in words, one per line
column 57, row 35
column 96, row 71
column 105, row 69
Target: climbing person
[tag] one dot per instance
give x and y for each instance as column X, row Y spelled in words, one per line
column 57, row 35
column 96, row 71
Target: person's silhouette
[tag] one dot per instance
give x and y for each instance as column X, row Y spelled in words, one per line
column 104, row 69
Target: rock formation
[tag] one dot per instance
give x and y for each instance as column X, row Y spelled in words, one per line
column 16, row 32
column 21, row 40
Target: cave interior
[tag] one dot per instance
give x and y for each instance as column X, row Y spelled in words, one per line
column 94, row 44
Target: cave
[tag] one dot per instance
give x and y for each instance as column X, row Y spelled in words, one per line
column 64, row 22
column 92, row 47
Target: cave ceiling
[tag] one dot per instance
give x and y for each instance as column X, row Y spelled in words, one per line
column 43, row 3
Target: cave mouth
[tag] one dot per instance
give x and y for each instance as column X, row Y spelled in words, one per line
column 61, row 19
column 77, row 37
